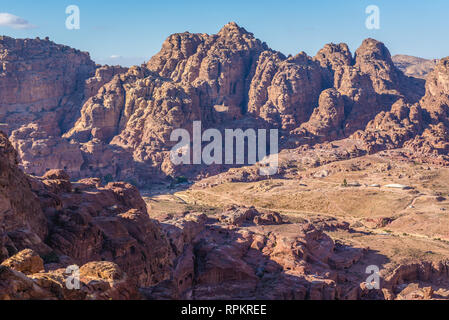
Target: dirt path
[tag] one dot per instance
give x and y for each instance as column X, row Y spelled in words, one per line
column 308, row 214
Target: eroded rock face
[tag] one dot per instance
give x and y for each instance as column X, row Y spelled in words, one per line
column 26, row 261
column 436, row 100
column 39, row 76
column 194, row 77
column 226, row 80
column 225, row 62
column 191, row 78
column 103, row 75
column 327, row 119
column 390, row 130
column 88, row 222
column 98, row 281
column 40, row 151
column 244, row 254
column 412, row 281
column 67, row 223
column 22, row 222
column 123, row 130
column 374, row 59
column 334, row 56
column 388, row 83
column 43, row 86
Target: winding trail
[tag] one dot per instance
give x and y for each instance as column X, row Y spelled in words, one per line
column 309, row 214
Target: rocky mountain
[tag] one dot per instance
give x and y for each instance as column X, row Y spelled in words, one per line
column 49, row 223
column 414, row 66
column 64, row 224
column 116, row 122
column 73, row 127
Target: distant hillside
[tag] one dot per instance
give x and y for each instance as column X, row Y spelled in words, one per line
column 414, row 66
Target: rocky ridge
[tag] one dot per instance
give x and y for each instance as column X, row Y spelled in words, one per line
column 240, row 253
column 121, row 123
column 115, row 123
column 107, row 231
column 414, row 66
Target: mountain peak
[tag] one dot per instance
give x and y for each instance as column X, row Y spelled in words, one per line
column 374, row 48
column 232, row 28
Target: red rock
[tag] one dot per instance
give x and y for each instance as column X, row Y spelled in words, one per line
column 26, row 261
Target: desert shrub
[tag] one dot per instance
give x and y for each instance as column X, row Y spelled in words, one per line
column 108, row 178
column 52, row 257
column 181, row 179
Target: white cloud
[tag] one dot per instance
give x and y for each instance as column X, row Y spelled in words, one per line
column 15, row 22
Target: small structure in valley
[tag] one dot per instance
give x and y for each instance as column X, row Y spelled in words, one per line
column 398, row 186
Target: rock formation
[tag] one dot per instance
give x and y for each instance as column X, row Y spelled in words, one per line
column 107, row 231
column 234, row 255
column 67, row 223
column 39, row 77
column 226, row 80
column 414, row 66
column 78, row 127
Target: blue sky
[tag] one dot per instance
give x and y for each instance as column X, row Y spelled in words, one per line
column 135, row 29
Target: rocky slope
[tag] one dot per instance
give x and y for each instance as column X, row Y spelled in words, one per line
column 42, row 88
column 50, row 223
column 244, row 254
column 70, row 120
column 226, row 80
column 79, row 223
column 41, row 81
column 414, row 66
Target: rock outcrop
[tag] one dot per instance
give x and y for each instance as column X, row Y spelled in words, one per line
column 65, row 223
column 414, row 66
column 22, row 222
column 38, row 77
column 244, row 254
column 71, row 120
column 420, row 128
column 284, row 91
column 226, row 80
column 97, row 281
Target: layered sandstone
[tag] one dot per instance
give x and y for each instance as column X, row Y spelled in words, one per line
column 67, row 223
column 226, row 80
column 39, row 77
column 98, row 281
column 236, row 256
column 414, row 66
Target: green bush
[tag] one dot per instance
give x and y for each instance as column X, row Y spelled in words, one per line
column 52, row 257
column 108, row 178
column 181, row 179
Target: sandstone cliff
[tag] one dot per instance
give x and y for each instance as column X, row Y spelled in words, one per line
column 230, row 79
column 78, row 223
